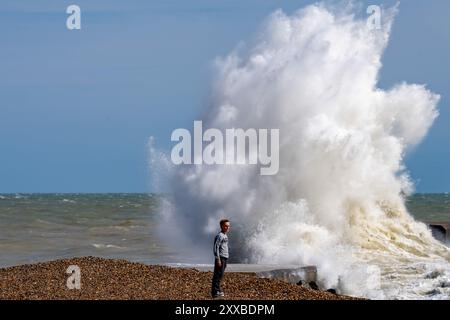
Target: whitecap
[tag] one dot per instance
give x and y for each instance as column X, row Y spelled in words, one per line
column 106, row 246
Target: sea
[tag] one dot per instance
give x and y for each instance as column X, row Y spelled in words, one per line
column 40, row 227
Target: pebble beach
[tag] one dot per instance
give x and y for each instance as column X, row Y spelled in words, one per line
column 110, row 279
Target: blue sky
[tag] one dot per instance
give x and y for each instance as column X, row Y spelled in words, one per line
column 77, row 107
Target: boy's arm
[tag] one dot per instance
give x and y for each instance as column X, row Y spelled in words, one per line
column 217, row 243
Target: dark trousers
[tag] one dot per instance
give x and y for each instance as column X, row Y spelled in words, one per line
column 218, row 275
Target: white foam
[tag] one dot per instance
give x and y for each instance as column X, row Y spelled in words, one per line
column 106, row 246
column 69, row 201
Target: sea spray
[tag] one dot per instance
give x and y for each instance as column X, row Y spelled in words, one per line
column 337, row 201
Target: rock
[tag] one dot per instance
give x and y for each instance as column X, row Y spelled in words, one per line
column 313, row 285
column 333, row 291
column 433, row 275
column 440, row 230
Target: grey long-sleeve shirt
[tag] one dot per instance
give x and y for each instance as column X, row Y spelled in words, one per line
column 221, row 245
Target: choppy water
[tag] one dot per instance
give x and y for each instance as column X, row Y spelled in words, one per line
column 37, row 227
column 430, row 207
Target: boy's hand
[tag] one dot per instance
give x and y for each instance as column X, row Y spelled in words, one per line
column 218, row 263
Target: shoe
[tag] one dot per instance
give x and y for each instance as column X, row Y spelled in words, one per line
column 218, row 294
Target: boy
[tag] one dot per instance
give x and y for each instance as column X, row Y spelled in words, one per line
column 220, row 257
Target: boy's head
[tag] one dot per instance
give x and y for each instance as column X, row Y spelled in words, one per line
column 225, row 225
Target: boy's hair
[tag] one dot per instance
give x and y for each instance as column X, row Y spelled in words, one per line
column 223, row 221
